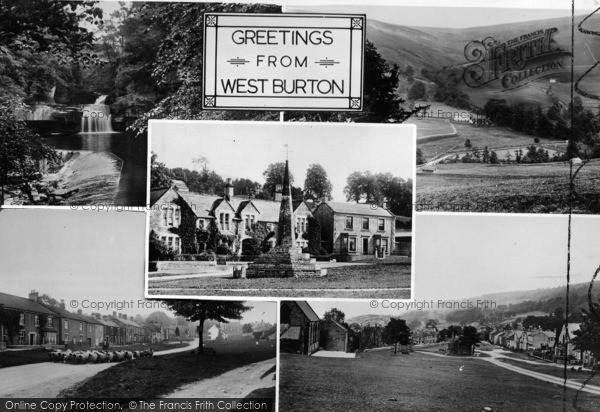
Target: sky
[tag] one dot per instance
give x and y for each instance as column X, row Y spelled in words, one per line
column 245, row 149
column 462, row 256
column 433, row 13
column 89, row 257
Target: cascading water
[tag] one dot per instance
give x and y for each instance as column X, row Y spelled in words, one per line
column 96, row 117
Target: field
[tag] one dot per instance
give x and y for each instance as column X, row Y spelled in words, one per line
column 415, row 382
column 480, row 137
column 533, row 188
column 368, row 281
column 432, row 127
column 148, row 378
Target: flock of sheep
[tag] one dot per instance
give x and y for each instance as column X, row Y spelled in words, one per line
column 96, row 356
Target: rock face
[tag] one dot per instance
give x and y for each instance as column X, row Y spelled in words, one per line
column 285, row 259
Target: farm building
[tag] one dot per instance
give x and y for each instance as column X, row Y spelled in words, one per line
column 300, row 328
column 354, row 230
column 177, row 215
column 334, row 336
column 215, row 332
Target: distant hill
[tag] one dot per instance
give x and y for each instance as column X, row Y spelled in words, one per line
column 519, row 304
column 436, row 49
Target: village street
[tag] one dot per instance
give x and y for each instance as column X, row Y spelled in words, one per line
column 237, row 383
column 46, row 380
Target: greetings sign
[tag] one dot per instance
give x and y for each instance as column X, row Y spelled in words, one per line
column 283, row 61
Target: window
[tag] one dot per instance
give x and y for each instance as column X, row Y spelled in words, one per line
column 224, row 221
column 66, row 324
column 352, row 244
column 36, row 321
column 250, row 222
column 177, row 216
column 301, row 224
column 349, row 222
column 80, row 326
column 365, row 223
column 381, row 224
column 22, row 319
column 21, row 337
column 50, row 320
column 164, row 215
column 177, row 245
column 170, row 217
column 163, row 239
column 89, row 328
column 170, row 241
column 66, row 338
column 200, row 223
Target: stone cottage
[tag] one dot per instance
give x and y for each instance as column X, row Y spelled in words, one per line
column 300, row 328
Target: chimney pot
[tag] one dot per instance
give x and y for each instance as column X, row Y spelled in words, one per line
column 79, row 312
column 33, row 295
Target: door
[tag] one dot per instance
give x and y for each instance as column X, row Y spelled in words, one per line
column 377, row 244
column 365, row 246
column 32, row 339
column 344, row 245
column 384, row 247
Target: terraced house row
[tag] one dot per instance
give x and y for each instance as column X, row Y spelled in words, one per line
column 29, row 322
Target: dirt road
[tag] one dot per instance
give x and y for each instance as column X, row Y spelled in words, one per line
column 46, row 380
column 237, row 383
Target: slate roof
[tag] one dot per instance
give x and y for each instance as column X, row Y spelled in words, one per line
column 201, row 205
column 156, row 194
column 293, row 332
column 65, row 313
column 24, row 304
column 357, row 209
column 308, row 311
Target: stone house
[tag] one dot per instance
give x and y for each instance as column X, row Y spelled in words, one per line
column 539, row 339
column 300, row 328
column 72, row 328
column 334, row 336
column 131, row 331
column 94, row 320
column 179, row 216
column 356, row 230
column 37, row 324
column 215, row 332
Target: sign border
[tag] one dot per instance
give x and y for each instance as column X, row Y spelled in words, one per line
column 208, row 102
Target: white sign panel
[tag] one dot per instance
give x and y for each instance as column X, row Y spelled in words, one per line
column 283, row 61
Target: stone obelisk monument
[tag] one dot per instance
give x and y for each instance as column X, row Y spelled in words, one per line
column 285, row 259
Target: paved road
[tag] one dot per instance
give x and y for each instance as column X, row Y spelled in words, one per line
column 496, row 355
column 46, row 380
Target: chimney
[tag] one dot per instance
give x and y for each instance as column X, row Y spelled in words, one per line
column 105, row 318
column 115, row 313
column 79, row 312
column 62, row 304
column 228, row 189
column 33, row 295
column 98, row 316
column 278, row 192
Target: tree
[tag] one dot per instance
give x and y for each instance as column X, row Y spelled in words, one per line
column 396, row 332
column 420, row 158
column 417, row 91
column 379, row 189
column 316, row 184
column 469, row 337
column 202, row 310
column 409, row 70
column 494, row 157
column 10, row 320
column 587, row 338
column 160, row 175
column 178, row 334
column 468, row 144
column 247, row 328
column 335, row 314
column 273, row 175
column 21, row 153
column 313, row 235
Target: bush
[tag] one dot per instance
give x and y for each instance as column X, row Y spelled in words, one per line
column 537, row 140
column 223, row 249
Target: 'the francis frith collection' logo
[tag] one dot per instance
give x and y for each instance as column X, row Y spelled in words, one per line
column 514, row 62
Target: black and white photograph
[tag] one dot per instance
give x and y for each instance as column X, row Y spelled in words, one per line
column 74, row 323
column 272, row 209
column 490, row 327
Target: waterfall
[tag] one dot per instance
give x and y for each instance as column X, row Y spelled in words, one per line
column 96, row 117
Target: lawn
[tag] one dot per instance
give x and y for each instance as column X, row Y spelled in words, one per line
column 340, row 282
column 378, row 381
column 22, row 357
column 148, row 378
column 432, row 127
column 535, row 188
